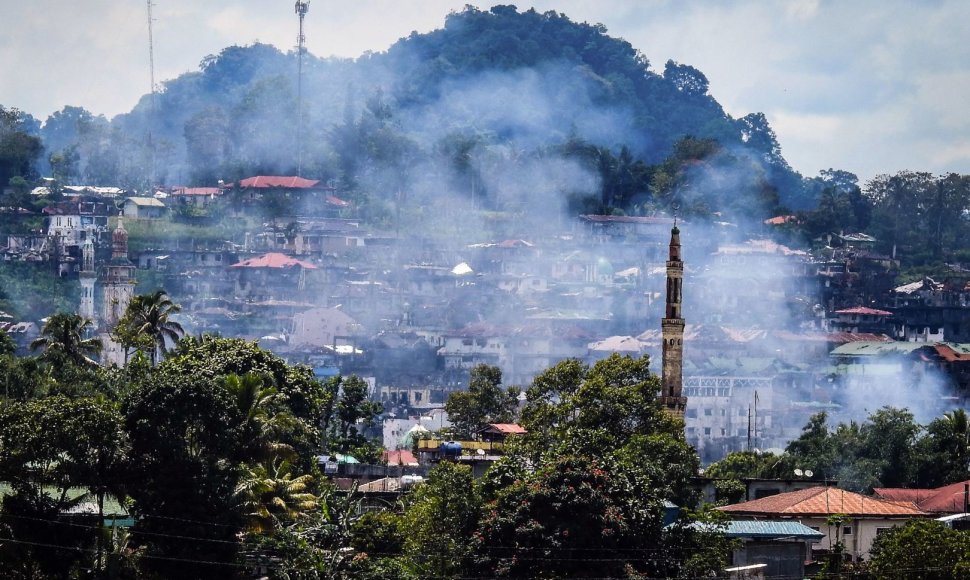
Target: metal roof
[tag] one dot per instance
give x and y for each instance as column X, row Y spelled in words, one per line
column 769, row 529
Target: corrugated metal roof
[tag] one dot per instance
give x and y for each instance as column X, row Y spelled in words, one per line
column 876, row 348
column 769, row 529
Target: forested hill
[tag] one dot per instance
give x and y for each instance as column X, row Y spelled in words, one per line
column 563, row 107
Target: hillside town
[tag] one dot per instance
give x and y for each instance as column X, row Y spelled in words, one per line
column 774, row 334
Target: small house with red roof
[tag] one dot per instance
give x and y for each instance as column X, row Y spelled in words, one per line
column 861, row 518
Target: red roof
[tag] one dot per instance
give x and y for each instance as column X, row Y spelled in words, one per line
column 507, row 428
column 947, row 353
column 822, row 501
column 400, row 457
column 271, row 181
column 334, row 200
column 781, row 219
column 864, row 311
column 942, row 500
column 274, row 260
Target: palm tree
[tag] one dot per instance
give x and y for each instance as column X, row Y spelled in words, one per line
column 147, row 320
column 254, row 396
column 269, row 494
column 63, row 337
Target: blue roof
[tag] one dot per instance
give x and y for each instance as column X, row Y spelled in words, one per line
column 763, row 529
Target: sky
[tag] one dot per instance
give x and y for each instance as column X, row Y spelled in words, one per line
column 868, row 86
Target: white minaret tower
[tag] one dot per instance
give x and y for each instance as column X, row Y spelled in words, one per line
column 88, row 277
column 117, row 287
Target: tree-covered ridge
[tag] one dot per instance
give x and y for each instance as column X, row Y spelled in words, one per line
column 453, row 109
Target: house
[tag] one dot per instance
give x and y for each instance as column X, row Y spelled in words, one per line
column 862, row 319
column 854, row 519
column 948, row 499
column 198, row 197
column 271, row 275
column 782, row 547
column 144, row 208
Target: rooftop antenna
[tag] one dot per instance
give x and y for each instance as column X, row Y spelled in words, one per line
column 151, row 118
column 301, row 8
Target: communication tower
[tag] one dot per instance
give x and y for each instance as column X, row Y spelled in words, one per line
column 301, row 8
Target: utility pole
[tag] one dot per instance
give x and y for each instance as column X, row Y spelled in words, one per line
column 301, row 8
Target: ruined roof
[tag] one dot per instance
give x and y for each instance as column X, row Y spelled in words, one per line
column 822, row 501
column 952, row 352
column 833, row 337
column 145, row 202
column 274, row 181
column 197, row 191
column 876, row 348
column 627, row 219
column 274, row 260
column 864, row 311
column 617, row 344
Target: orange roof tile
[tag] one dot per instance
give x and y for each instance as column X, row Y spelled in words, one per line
column 822, row 501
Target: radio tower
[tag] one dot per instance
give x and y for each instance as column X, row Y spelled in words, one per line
column 151, row 117
column 301, row 8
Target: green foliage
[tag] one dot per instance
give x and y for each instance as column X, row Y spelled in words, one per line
column 64, row 341
column 352, row 413
column 728, row 472
column 440, row 520
column 920, row 550
column 484, row 402
column 147, row 325
column 19, row 146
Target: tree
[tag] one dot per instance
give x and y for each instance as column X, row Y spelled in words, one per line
column 49, row 448
column 484, row 402
column 352, row 413
column 440, row 521
column 147, row 323
column 269, row 495
column 63, row 339
column 920, row 550
column 19, row 145
column 943, row 453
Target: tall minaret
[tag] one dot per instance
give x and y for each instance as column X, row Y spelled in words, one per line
column 117, row 287
column 88, row 276
column 673, row 332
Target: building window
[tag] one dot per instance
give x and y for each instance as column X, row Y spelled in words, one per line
column 707, row 430
column 846, row 530
column 708, row 412
column 881, row 531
